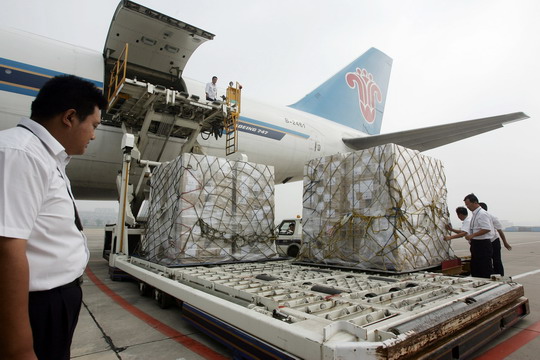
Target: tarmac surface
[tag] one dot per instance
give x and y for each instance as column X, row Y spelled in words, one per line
column 117, row 323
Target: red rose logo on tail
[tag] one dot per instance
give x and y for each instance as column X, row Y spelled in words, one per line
column 368, row 92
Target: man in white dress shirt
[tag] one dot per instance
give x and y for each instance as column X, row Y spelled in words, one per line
column 43, row 251
column 480, row 237
column 211, row 89
column 462, row 214
column 498, row 267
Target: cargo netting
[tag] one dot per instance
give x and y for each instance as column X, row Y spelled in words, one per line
column 206, row 210
column 382, row 208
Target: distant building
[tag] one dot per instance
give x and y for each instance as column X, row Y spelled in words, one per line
column 505, row 223
column 523, row 229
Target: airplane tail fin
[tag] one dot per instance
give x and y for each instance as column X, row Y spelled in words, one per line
column 355, row 96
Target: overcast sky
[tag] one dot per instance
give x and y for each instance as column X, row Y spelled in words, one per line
column 453, row 60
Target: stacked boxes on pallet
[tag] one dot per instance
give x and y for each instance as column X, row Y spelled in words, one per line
column 205, row 209
column 383, row 208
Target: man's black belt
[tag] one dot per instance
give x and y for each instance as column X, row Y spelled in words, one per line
column 77, row 282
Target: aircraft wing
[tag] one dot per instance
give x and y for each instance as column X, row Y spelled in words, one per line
column 434, row 136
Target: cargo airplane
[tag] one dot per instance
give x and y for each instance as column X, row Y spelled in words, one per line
column 343, row 114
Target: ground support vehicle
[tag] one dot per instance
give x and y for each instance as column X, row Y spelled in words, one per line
column 287, row 310
column 282, row 310
column 289, row 237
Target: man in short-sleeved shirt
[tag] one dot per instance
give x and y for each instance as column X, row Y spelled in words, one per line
column 38, row 206
column 498, row 234
column 462, row 214
column 211, row 89
column 43, row 252
column 480, row 236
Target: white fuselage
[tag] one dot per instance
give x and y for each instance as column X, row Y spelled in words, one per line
column 274, row 135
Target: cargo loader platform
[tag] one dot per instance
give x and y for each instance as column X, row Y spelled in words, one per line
column 320, row 313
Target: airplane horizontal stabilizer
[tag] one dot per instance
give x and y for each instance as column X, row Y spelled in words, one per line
column 434, row 136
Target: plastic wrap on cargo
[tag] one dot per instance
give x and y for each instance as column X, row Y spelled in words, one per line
column 383, row 208
column 205, row 209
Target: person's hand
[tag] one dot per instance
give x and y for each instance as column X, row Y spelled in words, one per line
column 448, row 227
column 507, row 245
column 447, row 237
column 468, row 238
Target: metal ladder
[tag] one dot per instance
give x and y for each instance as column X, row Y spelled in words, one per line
column 231, row 121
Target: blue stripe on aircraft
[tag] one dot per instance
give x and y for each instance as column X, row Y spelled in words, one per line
column 28, row 67
column 260, row 131
column 262, row 128
column 27, row 79
column 22, row 82
column 17, row 89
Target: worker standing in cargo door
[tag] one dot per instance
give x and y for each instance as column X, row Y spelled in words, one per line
column 211, row 89
column 462, row 214
column 498, row 234
column 480, row 235
column 43, row 251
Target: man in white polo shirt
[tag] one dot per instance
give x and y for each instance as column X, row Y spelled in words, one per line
column 480, row 237
column 498, row 235
column 43, row 251
column 462, row 214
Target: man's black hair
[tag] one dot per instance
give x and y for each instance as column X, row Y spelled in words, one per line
column 483, row 205
column 66, row 92
column 472, row 198
column 461, row 210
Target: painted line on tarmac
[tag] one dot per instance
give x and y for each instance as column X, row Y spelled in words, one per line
column 525, row 274
column 513, row 244
column 526, row 243
column 513, row 344
column 166, row 330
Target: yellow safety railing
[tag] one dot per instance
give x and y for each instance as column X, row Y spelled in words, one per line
column 118, row 76
column 231, row 120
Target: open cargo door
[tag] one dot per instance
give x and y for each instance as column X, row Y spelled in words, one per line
column 145, row 55
column 159, row 46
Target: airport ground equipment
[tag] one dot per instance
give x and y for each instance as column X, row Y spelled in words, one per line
column 153, row 110
column 279, row 309
column 272, row 308
column 287, row 311
column 289, row 237
column 234, row 102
